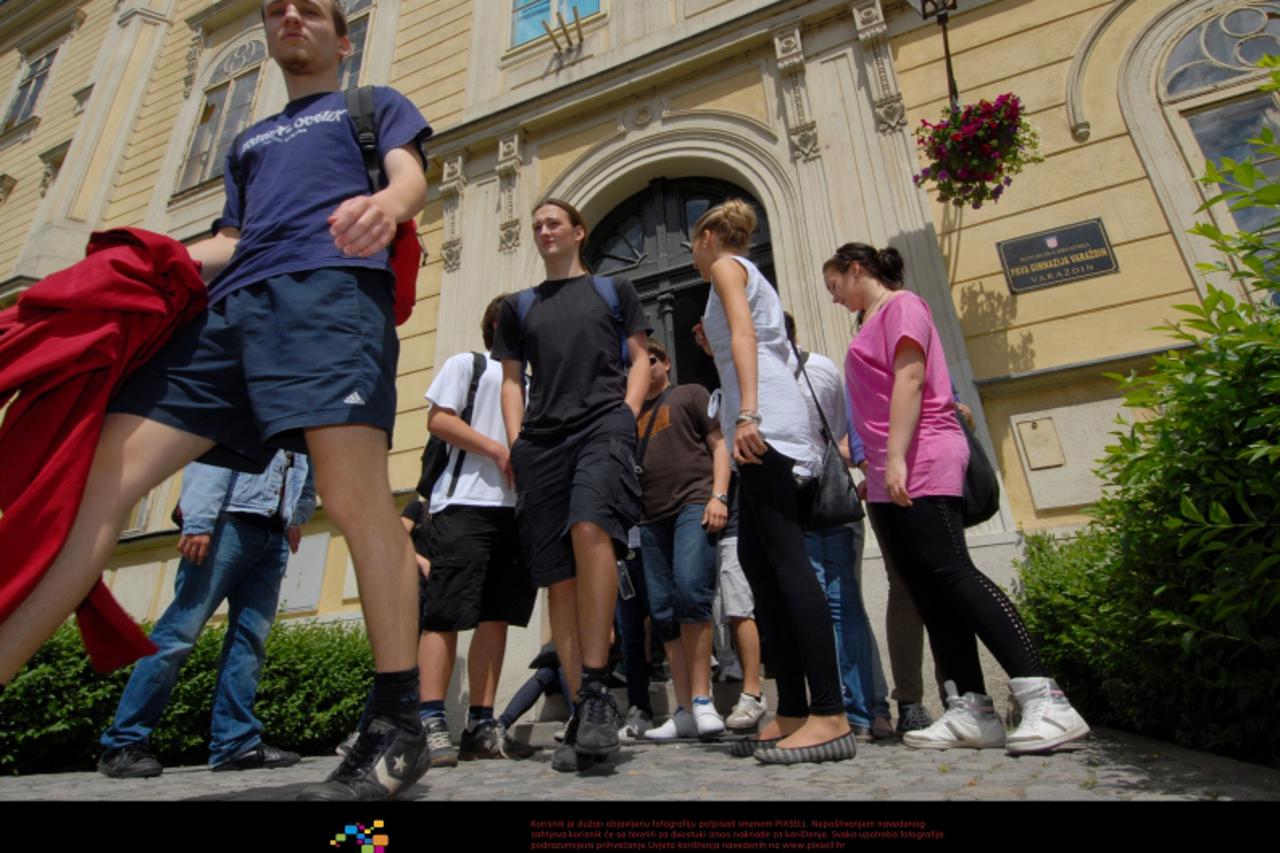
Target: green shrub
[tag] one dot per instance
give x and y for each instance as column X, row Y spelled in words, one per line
column 312, row 690
column 1164, row 616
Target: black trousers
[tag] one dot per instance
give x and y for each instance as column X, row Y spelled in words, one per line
column 790, row 607
column 958, row 603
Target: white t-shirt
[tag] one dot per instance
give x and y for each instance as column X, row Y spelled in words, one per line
column 480, row 483
column 780, row 403
column 828, row 385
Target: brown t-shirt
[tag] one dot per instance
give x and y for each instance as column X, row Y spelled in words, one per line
column 677, row 463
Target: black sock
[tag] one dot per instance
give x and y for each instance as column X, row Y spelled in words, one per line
column 592, row 674
column 434, row 708
column 395, row 698
column 478, row 714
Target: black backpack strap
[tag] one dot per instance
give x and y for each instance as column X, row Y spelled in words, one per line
column 478, row 365
column 360, row 111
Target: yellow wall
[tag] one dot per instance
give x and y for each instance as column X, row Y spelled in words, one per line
column 72, row 69
column 1026, row 48
column 432, row 50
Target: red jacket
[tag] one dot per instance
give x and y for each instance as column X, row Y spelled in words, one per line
column 65, row 349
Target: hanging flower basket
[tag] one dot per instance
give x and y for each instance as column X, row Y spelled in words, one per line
column 974, row 152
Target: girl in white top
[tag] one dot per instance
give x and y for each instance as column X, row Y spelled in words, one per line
column 765, row 419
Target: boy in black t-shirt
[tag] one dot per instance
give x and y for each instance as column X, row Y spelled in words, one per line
column 572, row 453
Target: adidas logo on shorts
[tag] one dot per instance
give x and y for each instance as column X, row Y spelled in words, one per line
column 354, row 399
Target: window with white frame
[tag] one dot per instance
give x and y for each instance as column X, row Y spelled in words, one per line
column 358, row 15
column 528, row 16
column 227, row 110
column 27, row 98
column 1209, row 90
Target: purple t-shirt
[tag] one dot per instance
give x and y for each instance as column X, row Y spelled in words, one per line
column 939, row 451
column 299, row 165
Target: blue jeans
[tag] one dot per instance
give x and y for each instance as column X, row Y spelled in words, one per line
column 245, row 566
column 679, row 571
column 833, row 554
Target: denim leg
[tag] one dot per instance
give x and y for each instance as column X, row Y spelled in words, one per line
column 694, row 558
column 879, row 688
column 832, row 553
column 198, row 590
column 253, row 604
column 656, row 542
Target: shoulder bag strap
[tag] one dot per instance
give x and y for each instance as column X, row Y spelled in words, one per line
column 360, row 111
column 648, row 431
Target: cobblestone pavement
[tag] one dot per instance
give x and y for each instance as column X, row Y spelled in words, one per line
column 1110, row 766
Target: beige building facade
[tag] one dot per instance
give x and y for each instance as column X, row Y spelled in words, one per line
column 642, row 113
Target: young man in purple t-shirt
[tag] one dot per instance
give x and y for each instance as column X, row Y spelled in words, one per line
column 297, row 350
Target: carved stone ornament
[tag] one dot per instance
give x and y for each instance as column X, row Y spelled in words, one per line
column 804, row 141
column 194, row 50
column 509, row 155
column 868, row 18
column 886, row 97
column 451, row 178
column 641, row 117
column 891, row 114
column 451, row 252
column 509, row 235
column 789, row 50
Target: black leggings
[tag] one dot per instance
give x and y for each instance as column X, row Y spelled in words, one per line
column 790, row 607
column 956, row 601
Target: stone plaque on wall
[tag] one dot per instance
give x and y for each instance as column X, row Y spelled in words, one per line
column 1057, row 256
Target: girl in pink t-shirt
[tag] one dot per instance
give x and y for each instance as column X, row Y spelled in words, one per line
column 904, row 412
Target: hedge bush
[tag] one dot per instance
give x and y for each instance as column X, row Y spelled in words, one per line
column 312, row 690
column 1164, row 615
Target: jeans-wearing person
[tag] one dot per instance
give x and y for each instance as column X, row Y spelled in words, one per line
column 245, row 566
column 833, row 554
column 237, row 531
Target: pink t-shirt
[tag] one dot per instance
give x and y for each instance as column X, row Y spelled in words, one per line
column 939, row 451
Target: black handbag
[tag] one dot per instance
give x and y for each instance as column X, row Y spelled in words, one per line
column 981, row 488
column 831, row 498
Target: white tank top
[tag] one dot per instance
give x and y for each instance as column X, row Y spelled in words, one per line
column 781, row 404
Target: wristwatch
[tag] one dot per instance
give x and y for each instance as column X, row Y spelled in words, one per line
column 748, row 416
column 724, row 499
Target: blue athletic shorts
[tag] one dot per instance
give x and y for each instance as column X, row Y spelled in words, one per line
column 306, row 349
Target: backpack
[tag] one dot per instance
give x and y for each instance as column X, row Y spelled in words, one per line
column 435, row 456
column 608, row 291
column 405, row 250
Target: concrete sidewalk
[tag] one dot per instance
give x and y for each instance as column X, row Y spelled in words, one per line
column 1110, row 766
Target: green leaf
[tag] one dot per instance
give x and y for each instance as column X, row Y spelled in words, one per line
column 1189, row 510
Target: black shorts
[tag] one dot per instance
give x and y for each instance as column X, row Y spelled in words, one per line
column 587, row 476
column 306, row 349
column 476, row 574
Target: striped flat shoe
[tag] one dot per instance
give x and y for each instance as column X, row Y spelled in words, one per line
column 747, row 747
column 841, row 749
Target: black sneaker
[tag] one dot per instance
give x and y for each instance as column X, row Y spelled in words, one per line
column 129, row 762
column 490, row 740
column 385, row 761
column 598, row 721
column 259, row 755
column 567, row 759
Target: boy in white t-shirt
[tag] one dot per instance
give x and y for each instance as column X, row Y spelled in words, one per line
column 477, row 580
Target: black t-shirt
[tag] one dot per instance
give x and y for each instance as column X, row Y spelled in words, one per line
column 571, row 343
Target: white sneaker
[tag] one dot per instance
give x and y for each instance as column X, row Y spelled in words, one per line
column 1048, row 720
column 709, row 722
column 970, row 722
column 681, row 724
column 747, row 713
